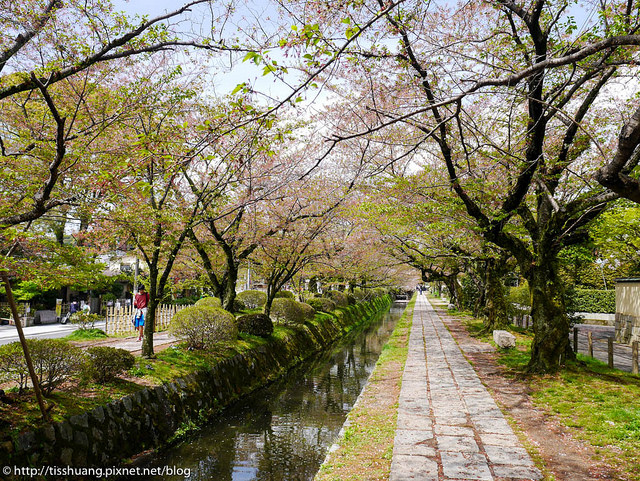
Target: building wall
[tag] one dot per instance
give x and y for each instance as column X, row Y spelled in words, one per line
column 628, row 311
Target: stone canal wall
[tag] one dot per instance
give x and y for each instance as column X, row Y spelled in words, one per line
column 150, row 417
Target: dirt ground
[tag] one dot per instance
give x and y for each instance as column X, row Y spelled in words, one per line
column 566, row 458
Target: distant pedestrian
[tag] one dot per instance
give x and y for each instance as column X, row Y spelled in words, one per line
column 140, row 304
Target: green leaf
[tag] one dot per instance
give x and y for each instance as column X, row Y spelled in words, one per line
column 249, row 56
column 268, row 69
column 239, row 87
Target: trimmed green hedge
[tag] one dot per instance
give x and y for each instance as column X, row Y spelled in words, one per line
column 577, row 300
column 592, row 300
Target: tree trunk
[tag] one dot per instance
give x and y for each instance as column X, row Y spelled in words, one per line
column 267, row 305
column 150, row 320
column 496, row 297
column 229, row 294
column 551, row 345
column 454, row 289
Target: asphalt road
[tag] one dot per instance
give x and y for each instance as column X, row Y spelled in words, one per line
column 9, row 334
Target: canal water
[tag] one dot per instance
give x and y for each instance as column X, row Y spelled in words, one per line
column 283, row 432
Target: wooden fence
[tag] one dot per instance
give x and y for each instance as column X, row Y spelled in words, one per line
column 598, row 342
column 119, row 320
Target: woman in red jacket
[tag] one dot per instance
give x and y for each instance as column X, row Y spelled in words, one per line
column 140, row 303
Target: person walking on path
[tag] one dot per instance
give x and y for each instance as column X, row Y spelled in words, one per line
column 140, row 304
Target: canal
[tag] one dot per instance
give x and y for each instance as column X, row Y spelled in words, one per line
column 283, row 432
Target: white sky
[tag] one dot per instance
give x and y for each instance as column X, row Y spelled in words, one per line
column 223, row 82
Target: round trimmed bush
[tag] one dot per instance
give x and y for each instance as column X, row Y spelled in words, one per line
column 308, row 311
column 105, row 363
column 322, row 304
column 255, row 324
column 202, row 326
column 209, row 302
column 252, row 299
column 287, row 311
column 340, row 298
column 360, row 294
column 285, row 294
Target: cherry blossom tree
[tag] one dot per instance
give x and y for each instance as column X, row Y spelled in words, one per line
column 513, row 101
column 247, row 167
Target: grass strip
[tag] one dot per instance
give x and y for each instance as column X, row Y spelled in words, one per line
column 597, row 404
column 366, row 448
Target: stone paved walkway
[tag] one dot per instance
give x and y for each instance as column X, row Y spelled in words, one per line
column 449, row 427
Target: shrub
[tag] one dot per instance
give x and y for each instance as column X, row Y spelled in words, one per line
column 520, row 295
column 202, row 326
column 12, row 365
column 84, row 319
column 105, row 363
column 287, row 311
column 591, row 300
column 351, row 299
column 340, row 298
column 360, row 294
column 54, row 361
column 209, row 302
column 255, row 324
column 322, row 304
column 252, row 299
column 308, row 311
column 238, row 305
column 285, row 295
column 379, row 292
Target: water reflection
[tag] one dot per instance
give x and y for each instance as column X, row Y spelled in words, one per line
column 283, row 432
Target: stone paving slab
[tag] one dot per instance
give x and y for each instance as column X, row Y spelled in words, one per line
column 449, row 427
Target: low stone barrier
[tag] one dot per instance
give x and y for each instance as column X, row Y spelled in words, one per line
column 150, row 417
column 627, row 328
